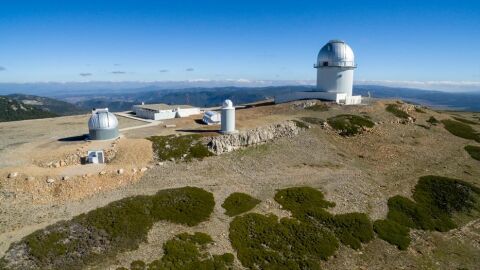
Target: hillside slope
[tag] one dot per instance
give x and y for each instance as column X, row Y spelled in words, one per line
column 13, row 110
column 48, row 104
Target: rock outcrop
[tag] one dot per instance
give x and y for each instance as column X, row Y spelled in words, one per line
column 227, row 143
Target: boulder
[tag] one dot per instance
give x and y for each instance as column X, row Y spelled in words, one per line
column 120, row 171
column 12, row 175
column 50, row 180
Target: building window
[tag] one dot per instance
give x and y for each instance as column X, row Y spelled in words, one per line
column 325, row 64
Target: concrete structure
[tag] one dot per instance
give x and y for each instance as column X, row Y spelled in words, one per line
column 102, row 125
column 228, row 118
column 335, row 65
column 164, row 111
column 95, row 156
column 211, row 118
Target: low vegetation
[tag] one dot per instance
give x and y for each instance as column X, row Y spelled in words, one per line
column 436, row 201
column 238, row 203
column 300, row 124
column 473, row 151
column 308, row 205
column 184, row 252
column 461, row 130
column 264, row 242
column 119, row 226
column 14, row 110
column 393, row 233
column 466, row 121
column 318, row 107
column 349, row 125
column 397, row 111
column 185, row 147
column 313, row 120
column 433, row 121
column 419, row 110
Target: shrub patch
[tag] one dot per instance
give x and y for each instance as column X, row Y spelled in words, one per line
column 395, row 110
column 119, row 226
column 393, row 233
column 186, row 251
column 461, row 130
column 186, row 147
column 239, row 203
column 473, row 151
column 349, row 125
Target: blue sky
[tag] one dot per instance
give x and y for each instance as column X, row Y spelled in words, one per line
column 118, row 40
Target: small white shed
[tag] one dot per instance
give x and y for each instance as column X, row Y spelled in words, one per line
column 95, row 156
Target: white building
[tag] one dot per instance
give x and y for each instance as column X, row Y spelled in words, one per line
column 211, row 118
column 335, row 65
column 228, row 118
column 163, row 111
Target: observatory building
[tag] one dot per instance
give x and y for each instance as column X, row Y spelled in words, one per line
column 335, row 65
column 102, row 125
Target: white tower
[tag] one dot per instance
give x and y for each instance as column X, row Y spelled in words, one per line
column 228, row 118
column 335, row 65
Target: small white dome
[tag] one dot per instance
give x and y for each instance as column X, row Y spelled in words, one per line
column 102, row 119
column 336, row 53
column 227, row 103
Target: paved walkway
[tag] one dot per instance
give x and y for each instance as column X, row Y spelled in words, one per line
column 151, row 123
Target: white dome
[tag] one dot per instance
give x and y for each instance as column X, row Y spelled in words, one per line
column 336, row 53
column 227, row 103
column 102, row 119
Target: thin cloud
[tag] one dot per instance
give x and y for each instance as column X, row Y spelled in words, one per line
column 164, row 70
column 2, row 68
column 85, row 74
column 117, row 65
column 189, row 69
column 118, row 72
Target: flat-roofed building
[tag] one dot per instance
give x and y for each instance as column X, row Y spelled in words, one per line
column 164, row 111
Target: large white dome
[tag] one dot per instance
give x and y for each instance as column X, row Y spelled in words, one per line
column 102, row 119
column 336, row 53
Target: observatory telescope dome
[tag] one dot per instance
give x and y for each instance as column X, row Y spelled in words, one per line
column 336, row 53
column 102, row 125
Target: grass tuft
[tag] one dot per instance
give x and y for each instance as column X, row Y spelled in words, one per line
column 300, row 124
column 313, row 120
column 433, row 121
column 318, row 107
column 238, row 203
column 473, row 151
column 349, row 125
column 395, row 110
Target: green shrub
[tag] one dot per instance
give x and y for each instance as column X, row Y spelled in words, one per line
column 308, row 205
column 298, row 199
column 262, row 242
column 349, row 125
column 466, row 121
column 238, row 203
column 461, row 130
column 408, row 213
column 352, row 229
column 186, row 147
column 433, row 121
column 322, row 107
column 187, row 252
column 395, row 110
column 473, row 151
column 393, row 233
column 116, row 227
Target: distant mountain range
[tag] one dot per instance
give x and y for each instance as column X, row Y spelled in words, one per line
column 78, row 102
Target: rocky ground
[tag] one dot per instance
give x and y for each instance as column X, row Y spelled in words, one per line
column 357, row 173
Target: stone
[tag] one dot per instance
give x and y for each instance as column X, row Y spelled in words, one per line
column 134, row 170
column 63, row 163
column 12, row 175
column 102, row 173
column 30, row 178
column 160, row 163
column 50, row 180
column 120, row 171
column 56, row 164
column 65, row 177
column 144, row 169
